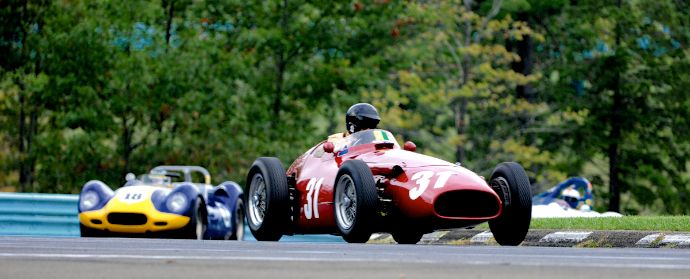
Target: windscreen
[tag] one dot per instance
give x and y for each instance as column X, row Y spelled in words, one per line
column 371, row 136
column 155, row 179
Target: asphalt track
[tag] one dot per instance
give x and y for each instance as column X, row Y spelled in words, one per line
column 26, row 257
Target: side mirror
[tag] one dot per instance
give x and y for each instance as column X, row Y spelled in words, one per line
column 328, row 147
column 410, row 146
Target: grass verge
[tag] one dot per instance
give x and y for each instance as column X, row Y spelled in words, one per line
column 628, row 223
column 625, row 223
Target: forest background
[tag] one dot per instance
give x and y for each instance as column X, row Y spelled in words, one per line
column 94, row 89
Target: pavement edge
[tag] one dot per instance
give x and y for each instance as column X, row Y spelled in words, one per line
column 557, row 238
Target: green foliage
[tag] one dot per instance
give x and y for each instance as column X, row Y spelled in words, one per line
column 96, row 89
column 455, row 91
column 125, row 86
column 618, row 66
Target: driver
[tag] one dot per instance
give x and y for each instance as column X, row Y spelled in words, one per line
column 571, row 196
column 361, row 116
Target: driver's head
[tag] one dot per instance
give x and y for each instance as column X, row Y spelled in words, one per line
column 157, row 179
column 571, row 196
column 361, row 116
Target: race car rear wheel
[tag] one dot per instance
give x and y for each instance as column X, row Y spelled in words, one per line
column 197, row 224
column 407, row 237
column 268, row 201
column 238, row 233
column 355, row 201
column 511, row 183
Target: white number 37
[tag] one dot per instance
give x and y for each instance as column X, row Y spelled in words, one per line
column 423, row 179
column 312, row 206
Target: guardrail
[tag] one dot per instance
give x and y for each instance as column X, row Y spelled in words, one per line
column 39, row 214
column 56, row 215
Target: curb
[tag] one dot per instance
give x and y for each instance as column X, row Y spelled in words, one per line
column 556, row 238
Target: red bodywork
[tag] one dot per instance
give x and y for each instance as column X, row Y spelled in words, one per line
column 415, row 191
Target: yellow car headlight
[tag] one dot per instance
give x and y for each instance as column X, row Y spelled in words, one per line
column 177, row 202
column 89, row 200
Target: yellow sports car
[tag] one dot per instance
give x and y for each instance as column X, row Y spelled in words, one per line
column 163, row 203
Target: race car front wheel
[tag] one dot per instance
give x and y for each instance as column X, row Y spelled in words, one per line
column 268, row 201
column 407, row 237
column 89, row 232
column 355, row 201
column 511, row 183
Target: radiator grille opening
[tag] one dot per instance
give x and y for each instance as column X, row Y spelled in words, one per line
column 465, row 203
column 127, row 218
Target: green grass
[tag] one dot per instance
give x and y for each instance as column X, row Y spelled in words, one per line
column 634, row 223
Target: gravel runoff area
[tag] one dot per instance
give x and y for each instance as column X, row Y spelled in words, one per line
column 557, row 238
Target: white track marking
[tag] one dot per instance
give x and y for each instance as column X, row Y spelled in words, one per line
column 481, row 238
column 641, row 262
column 237, row 250
column 677, row 239
column 191, row 257
column 565, row 237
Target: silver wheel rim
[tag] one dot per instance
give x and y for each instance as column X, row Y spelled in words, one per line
column 345, row 202
column 239, row 227
column 199, row 226
column 257, row 200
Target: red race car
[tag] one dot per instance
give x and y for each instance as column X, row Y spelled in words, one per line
column 367, row 183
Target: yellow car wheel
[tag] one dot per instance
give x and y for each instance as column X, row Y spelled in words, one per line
column 89, row 232
column 197, row 224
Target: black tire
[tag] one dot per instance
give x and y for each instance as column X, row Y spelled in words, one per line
column 268, row 209
column 196, row 229
column 85, row 231
column 238, row 232
column 359, row 227
column 407, row 237
column 511, row 183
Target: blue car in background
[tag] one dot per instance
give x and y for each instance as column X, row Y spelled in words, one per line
column 570, row 198
column 574, row 192
column 164, row 203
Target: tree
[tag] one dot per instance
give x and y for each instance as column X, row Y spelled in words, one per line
column 457, row 89
column 21, row 68
column 610, row 67
column 125, row 86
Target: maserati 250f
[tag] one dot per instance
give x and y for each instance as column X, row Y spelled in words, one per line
column 367, row 183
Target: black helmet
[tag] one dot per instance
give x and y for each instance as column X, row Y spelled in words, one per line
column 361, row 116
